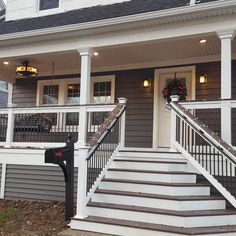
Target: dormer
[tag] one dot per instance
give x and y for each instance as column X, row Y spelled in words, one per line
column 18, row 9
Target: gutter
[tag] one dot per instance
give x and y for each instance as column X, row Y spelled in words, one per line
column 173, row 12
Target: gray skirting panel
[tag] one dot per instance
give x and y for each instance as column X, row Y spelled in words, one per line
column 35, row 183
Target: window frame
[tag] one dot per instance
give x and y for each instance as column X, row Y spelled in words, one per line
column 50, row 10
column 63, row 92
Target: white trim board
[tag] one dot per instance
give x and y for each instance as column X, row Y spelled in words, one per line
column 157, row 74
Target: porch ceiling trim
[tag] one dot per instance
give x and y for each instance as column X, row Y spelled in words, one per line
column 181, row 14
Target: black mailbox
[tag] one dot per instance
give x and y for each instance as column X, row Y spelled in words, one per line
column 64, row 157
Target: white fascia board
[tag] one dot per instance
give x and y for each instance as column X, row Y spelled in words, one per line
column 173, row 12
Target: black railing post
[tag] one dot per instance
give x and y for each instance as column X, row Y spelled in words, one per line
column 69, row 211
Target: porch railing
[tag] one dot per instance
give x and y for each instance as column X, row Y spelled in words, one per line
column 219, row 116
column 96, row 157
column 104, row 143
column 47, row 126
column 205, row 150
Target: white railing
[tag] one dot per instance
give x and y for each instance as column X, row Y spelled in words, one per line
column 41, row 127
column 205, row 150
column 220, row 110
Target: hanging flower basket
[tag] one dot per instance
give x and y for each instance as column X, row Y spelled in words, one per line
column 175, row 87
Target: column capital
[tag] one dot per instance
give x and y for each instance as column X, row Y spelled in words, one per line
column 85, row 51
column 226, row 33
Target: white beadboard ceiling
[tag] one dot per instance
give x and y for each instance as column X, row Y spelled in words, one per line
column 127, row 56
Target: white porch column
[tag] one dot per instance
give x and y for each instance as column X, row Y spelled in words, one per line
column 226, row 37
column 86, row 55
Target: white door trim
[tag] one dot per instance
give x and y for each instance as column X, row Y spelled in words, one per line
column 157, row 74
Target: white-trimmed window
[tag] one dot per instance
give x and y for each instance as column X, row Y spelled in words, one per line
column 67, row 91
column 48, row 4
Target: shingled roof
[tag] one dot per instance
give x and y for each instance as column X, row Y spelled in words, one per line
column 90, row 14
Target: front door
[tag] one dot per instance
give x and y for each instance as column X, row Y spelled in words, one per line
column 162, row 119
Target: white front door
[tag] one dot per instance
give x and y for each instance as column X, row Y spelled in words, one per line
column 161, row 114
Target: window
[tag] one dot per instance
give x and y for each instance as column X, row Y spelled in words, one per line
column 50, row 94
column 102, row 92
column 73, row 94
column 67, row 91
column 48, row 4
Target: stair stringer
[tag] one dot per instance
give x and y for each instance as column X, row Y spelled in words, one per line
column 225, row 193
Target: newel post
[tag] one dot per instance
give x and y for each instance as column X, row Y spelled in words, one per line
column 10, row 127
column 81, row 212
column 122, row 123
column 173, row 126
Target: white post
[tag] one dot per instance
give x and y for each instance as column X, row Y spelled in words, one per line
column 226, row 37
column 172, row 131
column 86, row 55
column 10, row 128
column 122, row 124
column 226, row 121
column 10, row 94
column 81, row 212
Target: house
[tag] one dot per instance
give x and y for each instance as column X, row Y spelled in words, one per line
column 66, row 64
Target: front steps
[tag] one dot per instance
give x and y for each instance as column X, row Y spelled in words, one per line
column 155, row 194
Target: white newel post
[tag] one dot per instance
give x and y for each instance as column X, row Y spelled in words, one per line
column 122, row 124
column 86, row 55
column 10, row 127
column 173, row 131
column 10, row 94
column 226, row 37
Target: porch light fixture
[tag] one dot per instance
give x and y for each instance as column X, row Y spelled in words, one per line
column 147, row 83
column 26, row 70
column 203, row 41
column 95, row 54
column 203, row 79
column 6, row 63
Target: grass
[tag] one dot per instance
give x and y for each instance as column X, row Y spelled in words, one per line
column 7, row 215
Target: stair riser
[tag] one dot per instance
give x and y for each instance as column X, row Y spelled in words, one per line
column 148, row 166
column 159, row 203
column 156, row 189
column 169, row 220
column 172, row 156
column 127, row 231
column 166, row 178
column 117, row 230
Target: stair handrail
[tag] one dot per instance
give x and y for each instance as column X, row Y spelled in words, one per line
column 226, row 155
column 203, row 130
column 103, row 146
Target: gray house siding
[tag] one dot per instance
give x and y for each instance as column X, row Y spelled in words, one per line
column 139, row 118
column 24, row 92
column 35, row 183
column 3, row 98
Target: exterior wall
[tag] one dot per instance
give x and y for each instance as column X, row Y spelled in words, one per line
column 128, row 84
column 24, row 92
column 3, row 98
column 16, row 9
column 139, row 119
column 35, row 183
column 139, row 122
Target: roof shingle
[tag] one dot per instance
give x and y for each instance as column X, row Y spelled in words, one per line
column 91, row 14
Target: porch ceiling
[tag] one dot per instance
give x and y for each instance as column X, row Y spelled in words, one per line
column 153, row 54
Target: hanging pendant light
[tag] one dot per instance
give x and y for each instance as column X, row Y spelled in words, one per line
column 26, row 70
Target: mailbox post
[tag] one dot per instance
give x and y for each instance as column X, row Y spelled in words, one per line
column 64, row 157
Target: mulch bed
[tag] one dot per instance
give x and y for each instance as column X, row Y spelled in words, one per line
column 26, row 218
